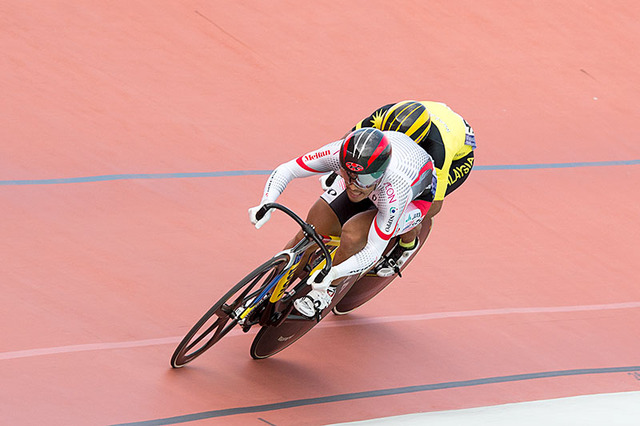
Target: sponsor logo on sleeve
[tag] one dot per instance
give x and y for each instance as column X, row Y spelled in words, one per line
column 392, row 217
column 316, row 155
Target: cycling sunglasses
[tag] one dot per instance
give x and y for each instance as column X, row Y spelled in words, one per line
column 362, row 181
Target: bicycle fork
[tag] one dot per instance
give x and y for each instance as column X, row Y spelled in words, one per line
column 279, row 283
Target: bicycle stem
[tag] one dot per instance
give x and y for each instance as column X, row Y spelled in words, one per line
column 307, row 229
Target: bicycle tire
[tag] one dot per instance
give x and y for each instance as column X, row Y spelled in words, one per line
column 365, row 289
column 195, row 343
column 271, row 340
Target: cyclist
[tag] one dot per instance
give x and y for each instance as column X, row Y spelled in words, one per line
column 450, row 141
column 387, row 188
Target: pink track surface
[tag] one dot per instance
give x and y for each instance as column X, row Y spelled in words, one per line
column 528, row 287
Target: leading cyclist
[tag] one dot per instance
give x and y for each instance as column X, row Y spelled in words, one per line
column 449, row 140
column 387, row 187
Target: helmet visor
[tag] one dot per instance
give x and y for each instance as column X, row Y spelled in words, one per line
column 362, row 181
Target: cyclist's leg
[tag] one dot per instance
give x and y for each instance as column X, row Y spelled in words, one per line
column 410, row 236
column 325, row 221
column 323, row 218
column 415, row 225
column 354, row 235
column 332, row 210
column 423, row 230
column 459, row 171
column 356, row 230
column 329, row 212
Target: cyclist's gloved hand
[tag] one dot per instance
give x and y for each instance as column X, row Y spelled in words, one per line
column 327, row 180
column 252, row 216
column 325, row 283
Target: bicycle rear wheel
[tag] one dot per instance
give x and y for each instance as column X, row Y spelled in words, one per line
column 365, row 289
column 226, row 312
column 272, row 339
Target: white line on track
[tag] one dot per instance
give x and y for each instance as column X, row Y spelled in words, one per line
column 337, row 323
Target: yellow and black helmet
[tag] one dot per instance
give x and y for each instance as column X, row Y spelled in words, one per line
column 408, row 117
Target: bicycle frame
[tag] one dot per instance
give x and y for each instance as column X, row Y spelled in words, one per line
column 278, row 284
column 289, row 270
column 265, row 298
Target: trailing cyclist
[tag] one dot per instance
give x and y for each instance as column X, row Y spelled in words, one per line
column 386, row 188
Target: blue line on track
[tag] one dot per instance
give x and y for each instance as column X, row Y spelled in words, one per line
column 377, row 393
column 558, row 165
column 103, row 178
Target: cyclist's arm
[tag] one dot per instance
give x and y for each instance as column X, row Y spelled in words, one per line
column 322, row 160
column 365, row 258
column 383, row 227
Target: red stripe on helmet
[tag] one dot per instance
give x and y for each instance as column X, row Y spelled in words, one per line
column 345, row 146
column 379, row 149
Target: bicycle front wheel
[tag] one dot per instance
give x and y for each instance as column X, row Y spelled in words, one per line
column 226, row 312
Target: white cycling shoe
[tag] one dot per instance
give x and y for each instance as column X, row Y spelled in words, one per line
column 314, row 302
column 395, row 260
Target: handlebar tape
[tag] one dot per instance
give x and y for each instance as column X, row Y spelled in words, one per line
column 332, row 177
column 260, row 213
column 321, row 275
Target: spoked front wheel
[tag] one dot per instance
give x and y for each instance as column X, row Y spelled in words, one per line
column 239, row 304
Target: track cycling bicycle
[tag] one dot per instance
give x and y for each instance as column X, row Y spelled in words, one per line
column 265, row 298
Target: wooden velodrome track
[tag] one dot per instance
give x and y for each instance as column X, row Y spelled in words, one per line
column 134, row 135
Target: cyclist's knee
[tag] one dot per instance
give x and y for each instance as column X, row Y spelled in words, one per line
column 323, row 218
column 352, row 240
column 299, row 236
column 434, row 209
column 354, row 235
